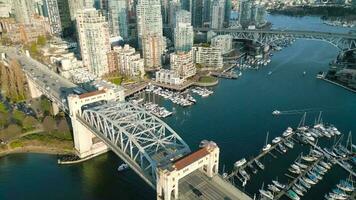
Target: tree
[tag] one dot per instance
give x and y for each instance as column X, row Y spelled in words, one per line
column 4, row 120
column 29, row 123
column 3, row 108
column 41, row 40
column 13, row 130
column 49, row 124
column 46, row 105
column 18, row 116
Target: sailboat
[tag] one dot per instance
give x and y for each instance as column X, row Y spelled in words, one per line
column 267, row 146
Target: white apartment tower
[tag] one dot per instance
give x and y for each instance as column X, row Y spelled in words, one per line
column 218, row 14
column 150, row 32
column 129, row 62
column 93, row 33
column 183, row 32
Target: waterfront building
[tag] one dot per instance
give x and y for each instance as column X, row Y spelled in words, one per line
column 223, row 42
column 153, row 47
column 52, row 12
column 129, row 62
column 182, row 63
column 217, row 14
column 208, row 57
column 245, row 9
column 169, row 77
column 93, row 34
column 183, row 37
column 117, row 17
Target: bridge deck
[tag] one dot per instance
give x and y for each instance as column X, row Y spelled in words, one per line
column 211, row 188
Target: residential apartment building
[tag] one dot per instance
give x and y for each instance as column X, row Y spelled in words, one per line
column 208, row 57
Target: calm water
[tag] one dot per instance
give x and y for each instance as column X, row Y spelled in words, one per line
column 237, row 117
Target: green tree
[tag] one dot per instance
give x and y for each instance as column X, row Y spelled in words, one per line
column 12, row 131
column 41, row 40
column 46, row 105
column 49, row 124
column 4, row 119
column 3, row 108
column 18, row 116
column 29, row 123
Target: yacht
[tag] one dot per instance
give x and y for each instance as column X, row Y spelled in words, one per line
column 239, row 163
column 305, row 184
column 282, row 148
column 320, row 75
column 299, row 164
column 307, row 180
column 267, row 194
column 300, row 187
column 123, row 167
column 289, row 143
column 291, row 194
column 325, row 165
column 259, row 164
column 276, row 112
column 278, row 184
column 296, row 190
column 276, row 140
column 273, row 188
column 267, row 146
column 287, row 132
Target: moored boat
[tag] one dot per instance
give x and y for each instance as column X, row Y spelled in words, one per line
column 259, row 164
column 291, row 194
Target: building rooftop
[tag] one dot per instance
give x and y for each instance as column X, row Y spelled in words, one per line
column 89, row 94
column 190, row 158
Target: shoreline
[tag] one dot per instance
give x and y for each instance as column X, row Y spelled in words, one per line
column 35, row 149
column 338, row 84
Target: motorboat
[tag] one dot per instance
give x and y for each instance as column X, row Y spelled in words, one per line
column 278, row 184
column 287, row 132
column 273, row 188
column 267, row 194
column 294, row 171
column 276, row 140
column 296, row 190
column 276, row 112
column 291, row 194
column 325, row 165
column 289, row 144
column 296, row 167
column 282, row 148
column 300, row 187
column 123, row 167
column 345, row 186
column 307, row 180
column 244, row 174
column 301, row 165
column 309, row 158
column 305, row 184
column 239, row 163
column 259, row 164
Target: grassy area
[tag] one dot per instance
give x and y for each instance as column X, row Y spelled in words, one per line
column 42, row 140
column 3, row 108
column 207, row 79
column 116, row 80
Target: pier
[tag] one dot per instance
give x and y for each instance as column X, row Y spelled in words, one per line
column 181, row 87
column 263, row 153
column 290, row 184
column 137, row 88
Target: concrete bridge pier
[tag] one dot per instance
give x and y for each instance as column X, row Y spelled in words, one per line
column 55, row 108
column 34, row 91
column 85, row 142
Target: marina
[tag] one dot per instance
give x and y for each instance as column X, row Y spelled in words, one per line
column 307, row 170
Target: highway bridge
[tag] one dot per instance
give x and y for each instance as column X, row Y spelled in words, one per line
column 342, row 41
column 152, row 149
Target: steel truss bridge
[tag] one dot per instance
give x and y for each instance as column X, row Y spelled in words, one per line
column 142, row 140
column 342, row 41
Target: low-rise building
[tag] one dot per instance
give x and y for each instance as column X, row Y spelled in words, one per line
column 223, row 42
column 182, row 63
column 25, row 33
column 129, row 62
column 208, row 57
column 169, row 77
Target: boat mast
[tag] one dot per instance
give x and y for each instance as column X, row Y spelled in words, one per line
column 319, row 117
column 267, row 138
column 302, row 121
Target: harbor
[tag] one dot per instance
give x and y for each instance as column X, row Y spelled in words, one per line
column 307, row 169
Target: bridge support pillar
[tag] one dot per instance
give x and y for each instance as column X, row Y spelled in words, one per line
column 55, row 108
column 34, row 91
column 85, row 142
